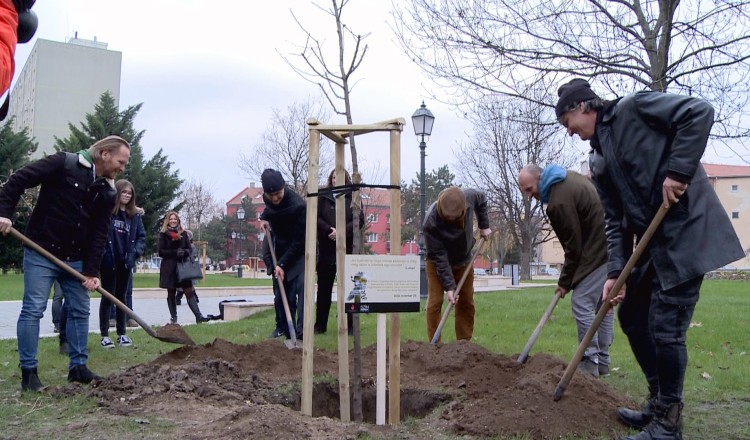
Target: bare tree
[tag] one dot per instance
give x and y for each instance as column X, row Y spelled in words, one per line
column 696, row 47
column 284, row 144
column 199, row 205
column 508, row 134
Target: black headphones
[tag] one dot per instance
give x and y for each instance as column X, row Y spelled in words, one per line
column 27, row 20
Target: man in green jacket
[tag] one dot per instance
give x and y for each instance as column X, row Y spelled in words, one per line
column 577, row 217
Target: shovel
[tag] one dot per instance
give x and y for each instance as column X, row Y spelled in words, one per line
column 565, row 380
column 170, row 333
column 469, row 267
column 538, row 330
column 292, row 342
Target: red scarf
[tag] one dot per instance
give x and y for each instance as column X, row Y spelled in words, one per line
column 174, row 234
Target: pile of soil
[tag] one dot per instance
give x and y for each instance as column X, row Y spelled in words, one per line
column 225, row 390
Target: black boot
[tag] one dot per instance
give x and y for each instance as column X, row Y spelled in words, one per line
column 30, row 380
column 665, row 425
column 193, row 304
column 172, row 304
column 638, row 419
column 81, row 374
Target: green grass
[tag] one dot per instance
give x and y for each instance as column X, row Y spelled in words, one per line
column 11, row 284
column 715, row 408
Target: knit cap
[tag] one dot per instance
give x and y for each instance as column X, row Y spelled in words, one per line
column 272, row 181
column 571, row 93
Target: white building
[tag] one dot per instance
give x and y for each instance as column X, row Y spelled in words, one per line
column 59, row 84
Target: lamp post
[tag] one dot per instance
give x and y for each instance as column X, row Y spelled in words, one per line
column 261, row 235
column 422, row 119
column 234, row 237
column 240, row 217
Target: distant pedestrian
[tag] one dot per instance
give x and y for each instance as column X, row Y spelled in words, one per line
column 70, row 220
column 126, row 243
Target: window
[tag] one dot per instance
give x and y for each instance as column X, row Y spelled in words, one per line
column 735, row 214
column 372, row 218
column 372, row 237
column 388, row 219
column 735, row 188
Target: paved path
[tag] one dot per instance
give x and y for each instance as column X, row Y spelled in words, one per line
column 151, row 306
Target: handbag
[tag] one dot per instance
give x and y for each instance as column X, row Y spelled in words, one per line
column 189, row 270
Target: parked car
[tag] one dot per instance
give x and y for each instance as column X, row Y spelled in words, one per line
column 553, row 272
column 479, row 272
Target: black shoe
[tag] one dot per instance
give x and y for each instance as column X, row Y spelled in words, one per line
column 665, row 425
column 201, row 319
column 638, row 419
column 603, row 370
column 277, row 333
column 81, row 374
column 589, row 367
column 30, row 380
column 64, row 349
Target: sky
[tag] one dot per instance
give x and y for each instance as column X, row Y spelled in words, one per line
column 209, row 74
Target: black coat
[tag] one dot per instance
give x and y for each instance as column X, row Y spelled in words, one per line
column 640, row 140
column 327, row 220
column 72, row 214
column 287, row 220
column 168, row 253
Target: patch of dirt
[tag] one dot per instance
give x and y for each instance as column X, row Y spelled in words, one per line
column 225, row 390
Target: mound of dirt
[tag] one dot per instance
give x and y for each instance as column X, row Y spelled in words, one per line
column 225, row 390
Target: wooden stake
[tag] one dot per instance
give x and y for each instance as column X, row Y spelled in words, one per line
column 343, row 334
column 394, row 351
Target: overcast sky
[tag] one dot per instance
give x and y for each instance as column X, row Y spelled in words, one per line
column 208, row 75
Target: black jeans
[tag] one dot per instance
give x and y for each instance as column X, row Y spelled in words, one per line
column 115, row 282
column 326, row 275
column 656, row 322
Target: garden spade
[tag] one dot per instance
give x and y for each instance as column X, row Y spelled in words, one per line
column 565, row 380
column 171, row 333
column 469, row 267
column 292, row 342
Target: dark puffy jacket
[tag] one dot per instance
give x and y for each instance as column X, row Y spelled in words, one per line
column 136, row 243
column 640, row 140
column 287, row 220
column 71, row 215
column 448, row 246
column 327, row 220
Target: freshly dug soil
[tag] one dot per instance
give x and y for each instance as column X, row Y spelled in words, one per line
column 225, row 390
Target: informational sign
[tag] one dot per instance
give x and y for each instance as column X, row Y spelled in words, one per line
column 382, row 283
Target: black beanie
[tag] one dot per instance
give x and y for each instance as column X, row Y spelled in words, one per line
column 272, row 181
column 571, row 93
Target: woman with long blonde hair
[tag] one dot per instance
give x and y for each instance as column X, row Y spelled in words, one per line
column 174, row 246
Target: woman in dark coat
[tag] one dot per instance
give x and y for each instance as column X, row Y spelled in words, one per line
column 326, row 265
column 174, row 246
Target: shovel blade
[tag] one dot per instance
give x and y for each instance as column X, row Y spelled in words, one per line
column 292, row 344
column 174, row 333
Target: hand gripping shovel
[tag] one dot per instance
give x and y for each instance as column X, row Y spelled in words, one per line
column 171, row 333
column 292, row 342
column 469, row 267
column 538, row 330
column 607, row 305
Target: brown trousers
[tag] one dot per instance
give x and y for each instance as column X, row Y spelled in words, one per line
column 464, row 313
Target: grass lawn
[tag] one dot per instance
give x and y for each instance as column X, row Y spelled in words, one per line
column 717, row 383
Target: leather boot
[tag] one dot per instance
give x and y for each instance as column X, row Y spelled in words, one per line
column 30, row 380
column 665, row 425
column 638, row 419
column 193, row 304
column 172, row 304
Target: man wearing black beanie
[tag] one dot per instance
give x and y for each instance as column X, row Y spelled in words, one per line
column 285, row 215
column 645, row 153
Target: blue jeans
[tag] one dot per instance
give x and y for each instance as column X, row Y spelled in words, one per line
column 39, row 274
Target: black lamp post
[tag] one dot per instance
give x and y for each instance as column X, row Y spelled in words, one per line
column 240, row 217
column 422, row 119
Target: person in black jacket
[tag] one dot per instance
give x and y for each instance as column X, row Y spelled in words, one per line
column 174, row 245
column 645, row 153
column 70, row 220
column 326, row 264
column 125, row 244
column 285, row 217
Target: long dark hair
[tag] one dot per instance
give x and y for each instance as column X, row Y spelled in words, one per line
column 130, row 208
column 347, row 177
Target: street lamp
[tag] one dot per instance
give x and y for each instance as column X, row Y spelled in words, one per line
column 234, row 237
column 240, row 217
column 261, row 235
column 422, row 119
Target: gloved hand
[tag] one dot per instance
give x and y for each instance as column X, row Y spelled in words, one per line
column 181, row 253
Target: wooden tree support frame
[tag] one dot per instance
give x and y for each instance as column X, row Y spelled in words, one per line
column 339, row 135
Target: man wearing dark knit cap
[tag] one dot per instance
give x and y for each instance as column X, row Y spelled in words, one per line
column 449, row 238
column 645, row 153
column 285, row 217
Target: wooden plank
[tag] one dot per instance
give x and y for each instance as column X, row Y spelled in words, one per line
column 311, row 235
column 343, row 335
column 381, row 371
column 394, row 351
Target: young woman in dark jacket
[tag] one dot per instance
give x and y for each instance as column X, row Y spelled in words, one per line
column 125, row 244
column 174, row 246
column 326, row 265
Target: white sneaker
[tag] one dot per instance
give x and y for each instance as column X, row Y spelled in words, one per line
column 124, row 341
column 107, row 343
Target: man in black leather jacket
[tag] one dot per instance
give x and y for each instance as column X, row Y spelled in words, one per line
column 70, row 220
column 646, row 151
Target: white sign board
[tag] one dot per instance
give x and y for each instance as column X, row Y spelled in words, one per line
column 383, row 283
